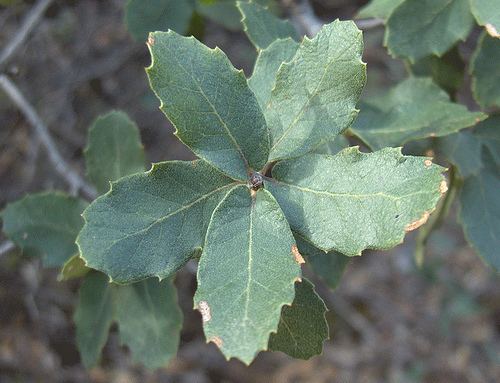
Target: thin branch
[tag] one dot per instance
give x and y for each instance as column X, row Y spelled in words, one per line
column 29, row 22
column 303, row 16
column 6, row 247
column 74, row 180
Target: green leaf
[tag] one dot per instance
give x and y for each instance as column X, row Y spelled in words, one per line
column 316, row 93
column 463, row 150
column 488, row 131
column 266, row 67
column 302, row 328
column 328, row 266
column 380, row 9
column 158, row 219
column 487, row 14
column 333, row 147
column 73, row 268
column 223, row 12
column 447, row 71
column 485, row 72
column 415, row 108
column 93, row 317
column 209, row 102
column 246, row 273
column 147, row 313
column 113, row 150
column 480, row 211
column 149, row 320
column 354, row 201
column 143, row 17
column 418, row 28
column 45, row 225
column 262, row 27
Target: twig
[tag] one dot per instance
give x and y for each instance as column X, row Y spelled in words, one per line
column 6, row 247
column 27, row 26
column 74, row 180
column 304, row 16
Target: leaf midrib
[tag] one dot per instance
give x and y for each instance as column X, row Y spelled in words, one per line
column 216, row 113
column 348, row 195
column 161, row 219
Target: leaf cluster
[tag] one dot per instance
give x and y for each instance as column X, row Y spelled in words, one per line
column 275, row 185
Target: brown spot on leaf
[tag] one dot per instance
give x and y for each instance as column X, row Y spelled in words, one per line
column 443, row 187
column 430, row 153
column 204, row 311
column 218, row 341
column 419, row 222
column 427, row 163
column 297, row 279
column 151, row 40
column 296, row 254
column 492, row 30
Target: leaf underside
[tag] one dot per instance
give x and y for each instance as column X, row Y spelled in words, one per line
column 246, row 273
column 302, row 328
column 354, row 201
column 415, row 108
column 149, row 224
column 209, row 102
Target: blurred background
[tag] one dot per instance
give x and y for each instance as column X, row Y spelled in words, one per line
column 389, row 320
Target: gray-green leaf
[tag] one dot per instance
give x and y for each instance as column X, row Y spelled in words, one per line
column 157, row 219
column 328, row 266
column 379, row 8
column 485, row 70
column 93, row 317
column 316, row 93
column 333, row 147
column 262, row 27
column 480, row 211
column 143, row 17
column 209, row 102
column 73, row 268
column 45, row 225
column 487, row 14
column 354, row 201
column 266, row 67
column 302, row 328
column 246, row 273
column 147, row 313
column 418, row 28
column 114, row 149
column 465, row 149
column 415, row 108
column 149, row 320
